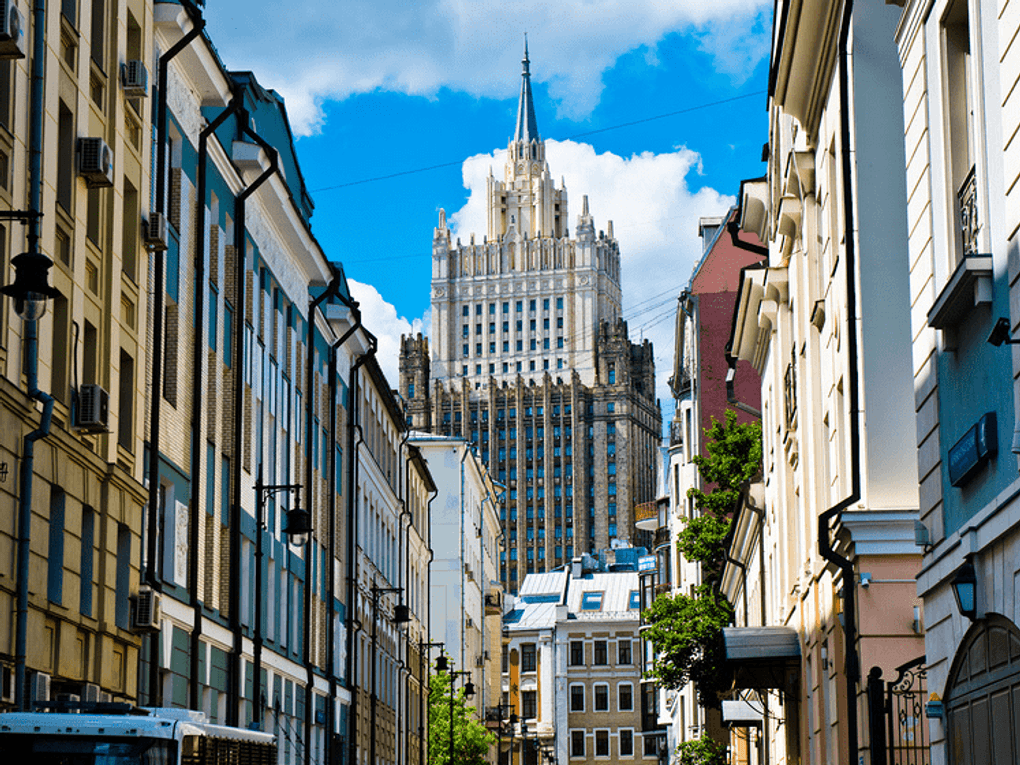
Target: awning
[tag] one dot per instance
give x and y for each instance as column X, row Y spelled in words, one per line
column 741, row 713
column 763, row 657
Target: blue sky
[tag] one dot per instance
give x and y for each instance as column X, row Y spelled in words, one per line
column 654, row 110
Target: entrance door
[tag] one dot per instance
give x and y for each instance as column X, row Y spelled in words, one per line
column 983, row 696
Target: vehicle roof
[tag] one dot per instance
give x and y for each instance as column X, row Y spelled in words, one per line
column 130, row 725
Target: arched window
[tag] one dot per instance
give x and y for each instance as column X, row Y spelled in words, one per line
column 983, row 695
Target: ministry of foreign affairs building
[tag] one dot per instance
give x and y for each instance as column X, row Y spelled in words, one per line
column 531, row 362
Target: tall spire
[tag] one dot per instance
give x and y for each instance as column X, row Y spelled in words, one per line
column 527, row 127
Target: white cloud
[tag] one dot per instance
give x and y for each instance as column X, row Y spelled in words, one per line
column 381, row 319
column 312, row 51
column 655, row 218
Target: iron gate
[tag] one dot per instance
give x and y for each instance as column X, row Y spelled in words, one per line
column 896, row 721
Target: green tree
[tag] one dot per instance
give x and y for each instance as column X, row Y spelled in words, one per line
column 701, row 751
column 687, row 634
column 686, row 630
column 471, row 741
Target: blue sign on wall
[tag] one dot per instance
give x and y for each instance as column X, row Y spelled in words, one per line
column 978, row 445
column 646, row 563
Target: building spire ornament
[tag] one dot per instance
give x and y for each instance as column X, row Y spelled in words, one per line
column 527, row 125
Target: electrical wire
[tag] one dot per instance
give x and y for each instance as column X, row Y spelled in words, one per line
column 618, row 126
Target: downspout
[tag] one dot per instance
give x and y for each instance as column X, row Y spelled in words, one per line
column 332, row 289
column 331, row 573
column 156, row 391
column 825, row 546
column 352, row 549
column 32, row 359
column 463, row 506
column 427, row 691
column 240, row 248
column 197, row 398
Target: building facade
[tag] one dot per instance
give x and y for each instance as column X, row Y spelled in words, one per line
column 572, row 672
column 464, row 590
column 959, row 74
column 530, row 361
column 72, row 382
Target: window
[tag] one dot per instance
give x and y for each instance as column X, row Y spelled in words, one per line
column 577, row 698
column 465, row 311
column 602, row 743
column 65, row 157
column 624, row 697
column 506, row 308
column 528, row 657
column 529, row 705
column 492, row 309
column 612, row 374
column 626, row 742
column 577, row 743
column 591, row 601
column 126, row 426
column 531, row 306
column 623, row 654
column 601, row 697
column 122, row 603
column 519, row 307
column 478, row 309
column 601, row 651
column 88, row 532
column 55, row 553
column 960, row 108
column 559, row 304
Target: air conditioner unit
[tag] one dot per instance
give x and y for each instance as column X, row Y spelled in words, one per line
column 104, row 697
column 469, row 622
column 12, row 31
column 135, row 79
column 7, row 685
column 93, row 408
column 90, row 693
column 39, row 688
column 95, row 162
column 155, row 231
column 479, row 661
column 146, row 612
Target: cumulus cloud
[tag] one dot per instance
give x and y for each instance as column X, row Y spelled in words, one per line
column 382, row 320
column 655, row 209
column 417, row 48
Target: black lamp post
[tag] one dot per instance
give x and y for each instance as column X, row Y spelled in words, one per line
column 297, row 526
column 965, row 589
column 469, row 691
column 399, row 617
column 423, row 648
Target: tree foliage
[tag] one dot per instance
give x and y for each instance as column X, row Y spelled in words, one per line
column 471, row 740
column 701, row 751
column 686, row 630
column 687, row 634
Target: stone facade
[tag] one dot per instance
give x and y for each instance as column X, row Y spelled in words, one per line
column 530, row 361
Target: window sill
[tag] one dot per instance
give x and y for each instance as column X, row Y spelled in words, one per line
column 969, row 286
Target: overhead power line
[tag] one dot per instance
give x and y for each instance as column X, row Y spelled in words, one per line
column 631, row 123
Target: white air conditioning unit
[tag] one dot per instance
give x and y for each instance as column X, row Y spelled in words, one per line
column 39, row 688
column 93, row 408
column 95, row 162
column 6, row 685
column 90, row 693
column 146, row 612
column 135, row 79
column 12, row 31
column 155, row 231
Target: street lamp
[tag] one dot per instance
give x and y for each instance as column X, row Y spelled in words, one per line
column 399, row 617
column 469, row 691
column 524, row 742
column 965, row 589
column 423, row 648
column 31, row 286
column 297, row 527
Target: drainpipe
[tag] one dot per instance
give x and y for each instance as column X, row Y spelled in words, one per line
column 332, row 289
column 352, row 547
column 427, row 690
column 240, row 248
column 159, row 265
column 825, row 546
column 32, row 361
column 197, row 398
column 463, row 505
column 331, row 572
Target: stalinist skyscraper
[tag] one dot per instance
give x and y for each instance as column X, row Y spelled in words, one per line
column 530, row 361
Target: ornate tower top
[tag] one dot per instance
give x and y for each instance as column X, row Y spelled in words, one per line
column 527, row 125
